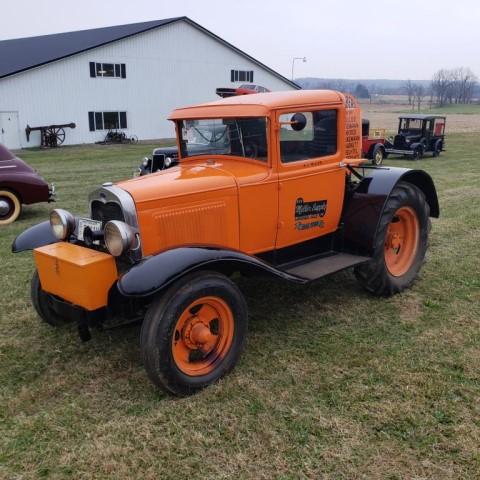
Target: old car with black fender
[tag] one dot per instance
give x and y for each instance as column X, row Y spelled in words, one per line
column 278, row 190
column 418, row 134
column 20, row 184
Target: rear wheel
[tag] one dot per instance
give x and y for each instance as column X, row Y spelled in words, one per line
column 194, row 333
column 378, row 155
column 41, row 301
column 400, row 244
column 437, row 149
column 10, row 207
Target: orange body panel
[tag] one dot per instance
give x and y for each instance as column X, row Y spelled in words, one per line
column 189, row 204
column 81, row 276
column 243, row 203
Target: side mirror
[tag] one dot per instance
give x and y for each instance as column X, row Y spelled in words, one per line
column 298, row 122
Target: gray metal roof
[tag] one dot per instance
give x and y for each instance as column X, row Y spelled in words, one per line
column 20, row 54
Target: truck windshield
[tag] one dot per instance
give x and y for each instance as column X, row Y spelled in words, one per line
column 240, row 137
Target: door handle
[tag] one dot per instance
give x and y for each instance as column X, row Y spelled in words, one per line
column 3, row 131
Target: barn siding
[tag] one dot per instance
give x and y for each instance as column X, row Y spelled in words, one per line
column 174, row 65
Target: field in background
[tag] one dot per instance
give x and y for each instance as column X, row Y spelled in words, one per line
column 384, row 110
column 334, row 383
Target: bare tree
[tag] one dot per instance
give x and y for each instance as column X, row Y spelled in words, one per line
column 441, row 86
column 419, row 94
column 409, row 88
column 453, row 86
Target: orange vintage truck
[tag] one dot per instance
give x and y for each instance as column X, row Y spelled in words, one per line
column 269, row 184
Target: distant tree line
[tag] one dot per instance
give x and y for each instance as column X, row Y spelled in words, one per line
column 447, row 86
column 458, row 85
column 453, row 86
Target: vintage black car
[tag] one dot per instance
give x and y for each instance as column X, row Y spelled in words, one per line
column 162, row 158
column 417, row 135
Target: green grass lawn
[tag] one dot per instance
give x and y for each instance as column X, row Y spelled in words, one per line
column 465, row 109
column 334, row 383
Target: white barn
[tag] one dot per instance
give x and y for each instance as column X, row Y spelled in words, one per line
column 128, row 77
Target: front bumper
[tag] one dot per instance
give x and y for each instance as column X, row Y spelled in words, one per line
column 78, row 275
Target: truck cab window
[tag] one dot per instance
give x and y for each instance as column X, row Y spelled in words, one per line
column 308, row 135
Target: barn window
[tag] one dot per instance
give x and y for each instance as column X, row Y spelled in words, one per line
column 241, row 75
column 107, row 70
column 107, row 120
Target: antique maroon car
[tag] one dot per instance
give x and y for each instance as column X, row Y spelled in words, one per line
column 19, row 184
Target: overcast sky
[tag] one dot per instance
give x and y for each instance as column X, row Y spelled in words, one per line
column 341, row 39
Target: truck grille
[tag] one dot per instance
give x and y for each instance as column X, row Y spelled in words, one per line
column 106, row 212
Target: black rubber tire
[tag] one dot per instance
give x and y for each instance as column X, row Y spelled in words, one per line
column 374, row 275
column 437, row 149
column 418, row 153
column 15, row 206
column 160, row 322
column 378, row 155
column 41, row 303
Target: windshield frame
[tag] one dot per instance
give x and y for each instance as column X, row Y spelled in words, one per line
column 266, row 160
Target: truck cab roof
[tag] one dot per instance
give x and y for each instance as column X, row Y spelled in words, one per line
column 258, row 104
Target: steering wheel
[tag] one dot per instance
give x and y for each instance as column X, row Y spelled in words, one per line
column 251, row 150
column 217, row 136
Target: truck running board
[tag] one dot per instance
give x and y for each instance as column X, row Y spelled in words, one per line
column 315, row 268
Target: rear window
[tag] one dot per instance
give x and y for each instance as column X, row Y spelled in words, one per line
column 5, row 153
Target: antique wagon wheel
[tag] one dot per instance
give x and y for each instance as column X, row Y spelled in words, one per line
column 59, row 133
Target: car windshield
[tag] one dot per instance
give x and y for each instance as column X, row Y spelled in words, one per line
column 410, row 124
column 240, row 137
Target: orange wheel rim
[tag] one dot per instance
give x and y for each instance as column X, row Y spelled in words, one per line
column 203, row 336
column 401, row 241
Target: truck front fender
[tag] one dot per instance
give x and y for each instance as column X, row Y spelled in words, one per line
column 33, row 237
column 159, row 271
column 364, row 207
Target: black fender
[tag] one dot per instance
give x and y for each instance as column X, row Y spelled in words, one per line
column 33, row 237
column 364, row 207
column 416, row 145
column 157, row 272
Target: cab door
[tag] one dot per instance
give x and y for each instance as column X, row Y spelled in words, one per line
column 311, row 180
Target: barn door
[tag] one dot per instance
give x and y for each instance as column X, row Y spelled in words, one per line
column 9, row 131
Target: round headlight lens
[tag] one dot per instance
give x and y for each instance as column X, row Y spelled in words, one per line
column 119, row 237
column 62, row 223
column 168, row 161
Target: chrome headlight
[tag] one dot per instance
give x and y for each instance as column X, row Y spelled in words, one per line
column 145, row 161
column 119, row 237
column 62, row 223
column 168, row 161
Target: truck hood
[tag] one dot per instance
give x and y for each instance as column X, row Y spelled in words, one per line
column 181, row 180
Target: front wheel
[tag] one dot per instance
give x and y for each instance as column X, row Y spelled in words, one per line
column 41, row 301
column 10, row 207
column 194, row 333
column 418, row 153
column 400, row 244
